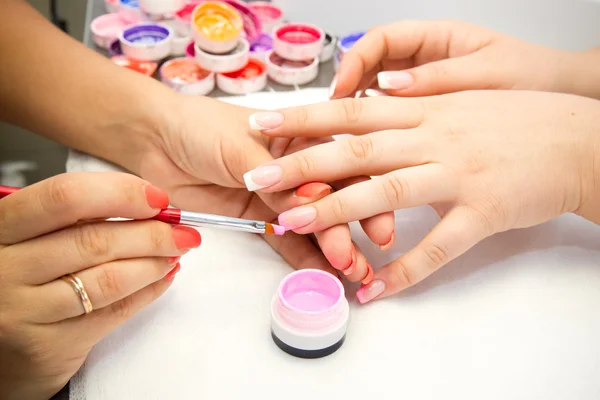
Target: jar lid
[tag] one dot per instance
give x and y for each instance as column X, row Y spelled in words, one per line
column 298, row 41
column 251, row 78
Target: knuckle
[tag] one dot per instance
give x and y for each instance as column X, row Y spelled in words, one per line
column 123, row 309
column 401, row 276
column 109, row 284
column 395, row 191
column 360, row 148
column 305, row 165
column 92, row 241
column 351, row 110
column 63, row 192
column 486, row 214
column 437, row 255
column 302, row 117
column 338, row 208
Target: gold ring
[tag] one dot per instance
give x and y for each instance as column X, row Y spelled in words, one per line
column 77, row 286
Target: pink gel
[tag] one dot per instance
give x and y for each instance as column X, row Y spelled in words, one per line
column 311, row 292
column 279, row 230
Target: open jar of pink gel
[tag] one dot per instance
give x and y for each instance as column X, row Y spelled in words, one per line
column 309, row 314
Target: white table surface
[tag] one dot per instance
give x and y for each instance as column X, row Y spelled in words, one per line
column 514, row 318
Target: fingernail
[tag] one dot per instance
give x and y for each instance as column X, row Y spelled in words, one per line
column 374, row 93
column 297, row 217
column 156, row 198
column 394, row 80
column 389, row 244
column 262, row 177
column 265, row 120
column 370, row 291
column 313, row 190
column 186, row 237
column 172, row 272
column 369, row 276
column 173, row 260
column 350, row 268
column 332, row 87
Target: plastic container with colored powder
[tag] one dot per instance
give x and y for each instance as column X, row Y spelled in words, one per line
column 185, row 76
column 287, row 72
column 298, row 42
column 229, row 62
column 216, row 27
column 309, row 314
column 252, row 78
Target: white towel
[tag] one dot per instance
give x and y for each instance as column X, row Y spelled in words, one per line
column 514, row 318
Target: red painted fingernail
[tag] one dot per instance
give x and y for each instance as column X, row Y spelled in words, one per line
column 369, row 276
column 173, row 260
column 313, row 190
column 172, row 272
column 350, row 268
column 157, row 198
column 186, row 237
column 389, row 244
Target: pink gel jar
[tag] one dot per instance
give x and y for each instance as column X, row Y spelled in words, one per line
column 309, row 314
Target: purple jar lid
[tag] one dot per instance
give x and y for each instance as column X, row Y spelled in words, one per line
column 145, row 34
column 115, row 48
column 263, row 43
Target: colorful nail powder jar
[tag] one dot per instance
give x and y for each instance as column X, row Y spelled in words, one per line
column 309, row 314
column 344, row 44
column 143, row 67
column 328, row 48
column 229, row 62
column 106, row 28
column 146, row 41
column 288, row 72
column 298, row 42
column 251, row 23
column 129, row 10
column 260, row 47
column 185, row 76
column 252, row 78
column 268, row 14
column 216, row 26
column 182, row 18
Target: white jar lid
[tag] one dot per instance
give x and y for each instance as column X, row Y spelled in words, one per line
column 106, row 28
column 288, row 72
column 232, row 61
column 251, row 78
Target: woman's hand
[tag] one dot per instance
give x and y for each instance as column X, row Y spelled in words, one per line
column 55, row 228
column 421, row 58
column 486, row 161
column 200, row 158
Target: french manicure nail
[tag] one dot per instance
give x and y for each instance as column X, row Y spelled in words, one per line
column 297, row 217
column 156, row 198
column 350, row 268
column 369, row 275
column 186, row 237
column 262, row 177
column 332, row 87
column 394, row 80
column 313, row 190
column 389, row 244
column 265, row 120
column 172, row 272
column 370, row 291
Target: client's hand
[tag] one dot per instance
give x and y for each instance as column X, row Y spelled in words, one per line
column 55, row 228
column 200, row 158
column 487, row 161
column 421, row 58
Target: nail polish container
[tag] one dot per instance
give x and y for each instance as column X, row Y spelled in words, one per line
column 287, row 72
column 250, row 79
column 260, row 47
column 161, row 7
column 228, row 62
column 344, row 44
column 216, row 27
column 106, row 28
column 328, row 48
column 185, row 76
column 180, row 44
column 250, row 21
column 182, row 18
column 129, row 11
column 309, row 314
column 298, row 42
column 146, row 41
column 268, row 14
column 143, row 67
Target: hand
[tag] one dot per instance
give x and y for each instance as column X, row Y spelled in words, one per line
column 55, row 228
column 200, row 158
column 422, row 58
column 486, row 161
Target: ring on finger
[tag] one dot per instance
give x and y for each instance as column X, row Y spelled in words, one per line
column 78, row 287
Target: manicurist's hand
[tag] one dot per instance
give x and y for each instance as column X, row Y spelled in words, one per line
column 56, row 228
column 486, row 161
column 421, row 58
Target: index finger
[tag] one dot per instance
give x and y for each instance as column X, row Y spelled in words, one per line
column 66, row 199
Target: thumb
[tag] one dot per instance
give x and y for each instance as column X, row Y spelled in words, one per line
column 439, row 77
column 456, row 233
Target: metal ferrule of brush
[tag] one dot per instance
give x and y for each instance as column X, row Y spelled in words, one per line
column 218, row 221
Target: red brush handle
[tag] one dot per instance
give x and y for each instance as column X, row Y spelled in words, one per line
column 169, row 215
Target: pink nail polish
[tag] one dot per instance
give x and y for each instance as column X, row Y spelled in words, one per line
column 297, row 217
column 263, row 177
column 389, row 244
column 265, row 120
column 370, row 291
column 394, row 80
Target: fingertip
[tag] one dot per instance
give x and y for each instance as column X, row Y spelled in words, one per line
column 370, row 291
column 390, row 243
